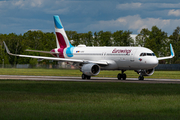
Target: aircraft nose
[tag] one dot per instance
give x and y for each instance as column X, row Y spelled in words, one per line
column 154, row 62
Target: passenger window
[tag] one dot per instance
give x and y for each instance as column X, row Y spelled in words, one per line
column 144, row 54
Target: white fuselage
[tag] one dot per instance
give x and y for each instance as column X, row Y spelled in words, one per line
column 118, row 58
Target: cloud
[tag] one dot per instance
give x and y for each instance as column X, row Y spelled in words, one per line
column 168, row 5
column 174, row 12
column 85, row 15
column 129, row 6
column 36, row 3
column 19, row 3
column 57, row 11
column 134, row 23
column 151, row 5
column 22, row 4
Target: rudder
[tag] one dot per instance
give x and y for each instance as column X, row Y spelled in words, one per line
column 61, row 37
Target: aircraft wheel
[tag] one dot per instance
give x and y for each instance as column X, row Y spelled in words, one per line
column 124, row 76
column 84, row 76
column 119, row 76
column 141, row 78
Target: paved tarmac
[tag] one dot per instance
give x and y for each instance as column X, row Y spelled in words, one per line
column 93, row 79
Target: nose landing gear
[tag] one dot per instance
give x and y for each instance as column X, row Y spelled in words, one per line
column 140, row 77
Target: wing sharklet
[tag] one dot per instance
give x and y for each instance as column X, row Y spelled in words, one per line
column 171, row 56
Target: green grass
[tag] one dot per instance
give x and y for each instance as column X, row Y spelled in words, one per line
column 47, row 100
column 68, row 72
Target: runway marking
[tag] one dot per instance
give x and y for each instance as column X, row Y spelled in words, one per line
column 94, row 79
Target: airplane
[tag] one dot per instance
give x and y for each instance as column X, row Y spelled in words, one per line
column 92, row 60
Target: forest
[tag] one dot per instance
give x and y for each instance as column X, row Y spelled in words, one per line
column 155, row 39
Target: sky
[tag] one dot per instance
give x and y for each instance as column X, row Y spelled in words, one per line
column 19, row 16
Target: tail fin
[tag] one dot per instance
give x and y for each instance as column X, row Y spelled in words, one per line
column 61, row 37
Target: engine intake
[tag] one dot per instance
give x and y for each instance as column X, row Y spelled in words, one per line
column 90, row 69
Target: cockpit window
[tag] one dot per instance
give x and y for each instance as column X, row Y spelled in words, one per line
column 147, row 54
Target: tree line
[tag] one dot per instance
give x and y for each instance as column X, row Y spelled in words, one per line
column 155, row 39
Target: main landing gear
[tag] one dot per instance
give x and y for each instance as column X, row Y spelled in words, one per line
column 121, row 76
column 85, row 76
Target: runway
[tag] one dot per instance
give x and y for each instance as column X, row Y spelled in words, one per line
column 93, row 79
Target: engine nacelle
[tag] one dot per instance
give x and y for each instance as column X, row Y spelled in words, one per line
column 90, row 69
column 148, row 72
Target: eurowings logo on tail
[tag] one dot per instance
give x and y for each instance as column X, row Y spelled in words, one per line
column 64, row 47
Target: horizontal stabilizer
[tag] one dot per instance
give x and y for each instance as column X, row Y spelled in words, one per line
column 49, row 52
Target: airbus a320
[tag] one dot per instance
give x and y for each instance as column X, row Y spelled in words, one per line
column 93, row 59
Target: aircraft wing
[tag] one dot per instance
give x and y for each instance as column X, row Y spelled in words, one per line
column 57, row 59
column 172, row 54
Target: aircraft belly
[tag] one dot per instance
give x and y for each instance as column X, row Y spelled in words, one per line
column 126, row 64
column 122, row 62
column 123, row 65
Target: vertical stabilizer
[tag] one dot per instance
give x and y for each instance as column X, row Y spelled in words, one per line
column 61, row 37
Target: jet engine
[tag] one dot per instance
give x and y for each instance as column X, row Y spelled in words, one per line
column 90, row 69
column 148, row 72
